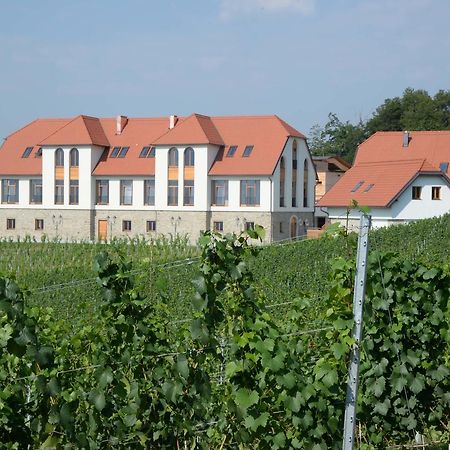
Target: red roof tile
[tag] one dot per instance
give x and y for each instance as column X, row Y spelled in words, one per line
column 11, row 161
column 383, row 161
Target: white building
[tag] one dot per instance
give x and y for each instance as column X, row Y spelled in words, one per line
column 88, row 178
column 401, row 176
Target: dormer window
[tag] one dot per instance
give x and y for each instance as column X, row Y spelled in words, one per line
column 38, row 153
column 357, row 186
column 231, row 151
column 27, row 152
column 247, row 151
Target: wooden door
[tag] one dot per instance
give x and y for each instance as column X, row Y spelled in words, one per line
column 102, row 230
column 293, row 227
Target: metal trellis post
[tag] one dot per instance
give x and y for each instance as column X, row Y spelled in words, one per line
column 358, row 302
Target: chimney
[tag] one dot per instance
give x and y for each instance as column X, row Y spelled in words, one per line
column 406, row 138
column 172, row 121
column 121, row 121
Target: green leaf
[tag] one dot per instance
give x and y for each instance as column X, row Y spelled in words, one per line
column 182, row 366
column 98, row 398
column 417, row 385
column 378, row 386
column 382, row 407
column 106, row 377
column 339, row 350
column 245, row 398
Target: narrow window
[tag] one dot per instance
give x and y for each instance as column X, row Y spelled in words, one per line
column 250, row 192
column 305, row 184
column 231, row 151
column 173, row 157
column 102, row 190
column 115, row 151
column 357, row 186
column 126, row 225
column 73, row 192
column 435, row 192
column 219, row 192
column 10, row 224
column 126, row 192
column 27, row 152
column 10, row 191
column 172, row 193
column 152, row 152
column 188, row 195
column 249, row 226
column 294, row 175
column 74, row 157
column 369, row 187
column 144, row 152
column 39, row 224
column 189, row 157
column 218, row 226
column 59, row 158
column 123, row 152
column 416, row 192
column 247, row 151
column 151, row 225
column 282, row 181
column 281, row 228
column 59, row 192
column 36, row 191
column 149, row 192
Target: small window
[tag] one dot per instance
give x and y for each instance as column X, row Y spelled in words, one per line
column 357, row 186
column 368, row 188
column 59, row 157
column 218, row 226
column 115, row 152
column 38, row 153
column 10, row 224
column 249, row 226
column 123, row 152
column 151, row 153
column 416, row 192
column 74, row 158
column 126, row 192
column 27, row 152
column 144, row 152
column 39, row 224
column 435, row 193
column 443, row 167
column 151, row 225
column 231, row 151
column 281, row 228
column 126, row 225
column 247, row 151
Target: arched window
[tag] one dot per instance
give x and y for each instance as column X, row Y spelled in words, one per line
column 59, row 157
column 189, row 157
column 282, row 180
column 173, row 157
column 294, row 174
column 74, row 157
column 305, row 184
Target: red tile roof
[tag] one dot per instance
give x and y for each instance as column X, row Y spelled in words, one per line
column 82, row 130
column 267, row 135
column 11, row 161
column 383, row 161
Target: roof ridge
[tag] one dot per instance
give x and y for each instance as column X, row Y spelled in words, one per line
column 59, row 129
column 383, row 163
column 97, row 120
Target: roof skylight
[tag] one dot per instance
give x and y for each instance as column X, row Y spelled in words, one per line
column 147, row 152
column 247, row 151
column 123, row 152
column 369, row 187
column 231, row 151
column 27, row 152
column 115, row 152
column 443, row 166
column 357, row 185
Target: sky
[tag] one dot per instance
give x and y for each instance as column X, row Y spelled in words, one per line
column 300, row 59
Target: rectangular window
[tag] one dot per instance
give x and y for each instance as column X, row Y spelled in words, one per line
column 231, row 151
column 151, row 225
column 36, row 191
column 10, row 191
column 144, row 152
column 219, row 192
column 416, row 192
column 74, row 192
column 443, row 166
column 39, row 224
column 357, row 186
column 102, row 192
column 172, row 193
column 126, row 192
column 59, row 192
column 249, row 226
column 123, row 152
column 115, row 151
column 247, row 151
column 250, row 192
column 218, row 226
column 435, row 193
column 188, row 194
column 126, row 225
column 10, row 224
column 281, row 227
column 149, row 192
column 27, row 152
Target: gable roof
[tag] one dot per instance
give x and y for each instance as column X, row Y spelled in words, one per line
column 383, row 162
column 82, row 130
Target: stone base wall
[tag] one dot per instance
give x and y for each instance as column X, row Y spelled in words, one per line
column 282, row 224
column 64, row 224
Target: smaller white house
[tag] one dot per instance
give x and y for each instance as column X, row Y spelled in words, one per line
column 400, row 176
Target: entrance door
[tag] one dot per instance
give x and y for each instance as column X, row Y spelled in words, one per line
column 102, row 230
column 293, row 227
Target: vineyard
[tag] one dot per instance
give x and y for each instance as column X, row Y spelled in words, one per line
column 160, row 345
